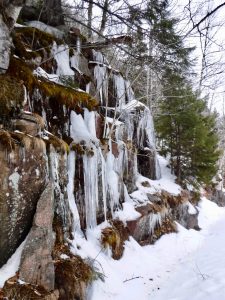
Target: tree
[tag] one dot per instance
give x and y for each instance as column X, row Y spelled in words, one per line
column 186, row 132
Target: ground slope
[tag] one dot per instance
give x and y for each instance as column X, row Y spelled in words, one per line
column 183, row 266
column 201, row 276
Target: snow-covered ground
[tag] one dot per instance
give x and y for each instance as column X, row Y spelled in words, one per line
column 183, row 266
column 201, row 275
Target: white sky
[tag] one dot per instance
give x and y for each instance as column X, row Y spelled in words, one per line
column 216, row 52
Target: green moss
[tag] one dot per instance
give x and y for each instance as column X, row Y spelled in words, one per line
column 82, row 149
column 75, row 267
column 71, row 98
column 11, row 94
column 67, row 96
column 145, row 184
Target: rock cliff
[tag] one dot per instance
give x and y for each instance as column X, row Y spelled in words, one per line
column 73, row 141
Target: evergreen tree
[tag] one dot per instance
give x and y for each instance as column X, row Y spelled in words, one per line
column 187, row 133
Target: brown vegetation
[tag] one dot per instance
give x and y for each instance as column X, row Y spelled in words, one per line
column 114, row 238
column 11, row 94
column 31, row 42
column 71, row 98
column 14, row 290
column 72, row 277
column 59, row 144
column 167, row 226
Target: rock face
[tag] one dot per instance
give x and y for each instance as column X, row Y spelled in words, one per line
column 9, row 13
column 37, row 265
column 218, row 197
column 22, row 180
column 158, row 216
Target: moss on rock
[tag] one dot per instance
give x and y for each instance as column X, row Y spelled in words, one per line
column 11, row 94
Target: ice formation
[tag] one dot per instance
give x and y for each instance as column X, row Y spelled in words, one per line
column 129, row 122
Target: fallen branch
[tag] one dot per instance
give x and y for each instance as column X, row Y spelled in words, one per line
column 132, row 278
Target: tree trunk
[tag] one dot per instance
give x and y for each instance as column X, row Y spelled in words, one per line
column 90, row 9
column 104, row 17
column 52, row 13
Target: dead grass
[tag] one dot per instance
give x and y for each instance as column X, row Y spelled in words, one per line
column 12, row 290
column 167, row 226
column 9, row 140
column 114, row 237
column 72, row 278
column 59, row 144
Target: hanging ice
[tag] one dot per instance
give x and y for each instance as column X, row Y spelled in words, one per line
column 90, row 165
column 120, row 90
column 70, row 190
column 61, row 55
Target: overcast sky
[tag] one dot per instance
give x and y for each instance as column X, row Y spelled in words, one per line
column 215, row 75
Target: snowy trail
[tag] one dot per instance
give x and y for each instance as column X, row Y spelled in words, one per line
column 202, row 275
column 183, row 266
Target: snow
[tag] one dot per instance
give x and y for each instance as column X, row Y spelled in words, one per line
column 191, row 209
column 166, row 182
column 52, row 77
column 12, row 265
column 80, row 130
column 144, row 272
column 200, row 276
column 46, row 28
column 128, row 213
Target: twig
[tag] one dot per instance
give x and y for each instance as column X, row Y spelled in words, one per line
column 132, row 278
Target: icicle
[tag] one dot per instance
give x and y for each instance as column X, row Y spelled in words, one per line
column 101, row 77
column 88, row 86
column 154, row 220
column 119, row 161
column 129, row 91
column 79, row 130
column 61, row 55
column 90, row 165
column 157, row 168
column 112, row 180
column 89, row 119
column 120, row 90
column 98, row 57
column 70, row 190
column 78, row 44
column 74, row 61
column 104, row 180
column 145, row 129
